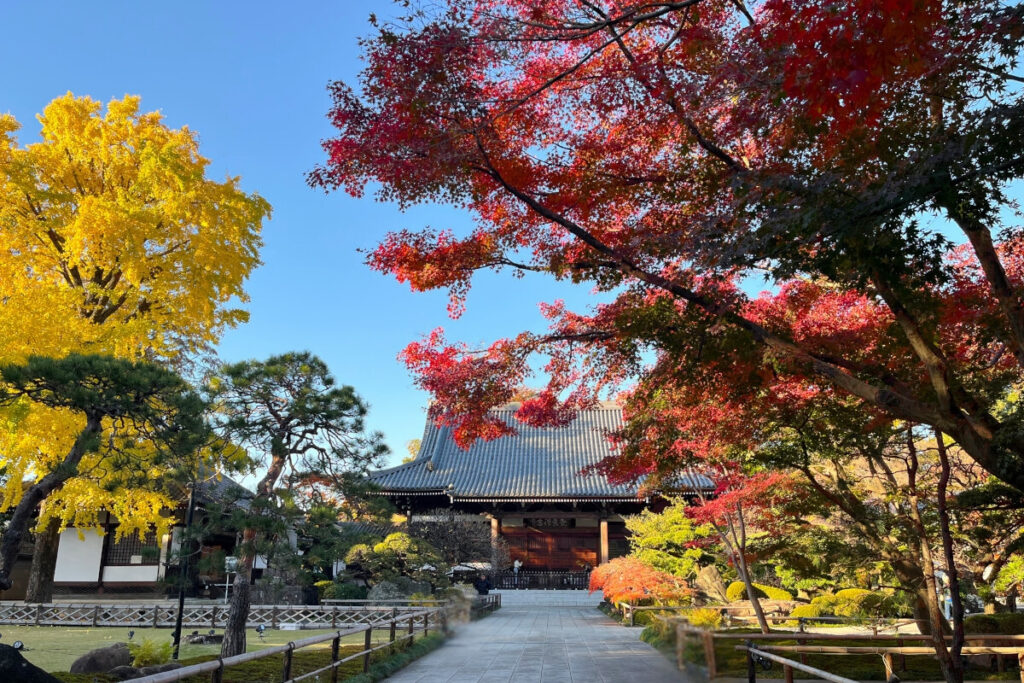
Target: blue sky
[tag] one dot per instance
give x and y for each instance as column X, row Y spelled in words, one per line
column 250, row 78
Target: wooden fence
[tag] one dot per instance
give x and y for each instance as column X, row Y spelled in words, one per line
column 697, row 645
column 401, row 630
column 200, row 615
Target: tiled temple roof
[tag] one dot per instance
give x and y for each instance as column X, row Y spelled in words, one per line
column 534, row 464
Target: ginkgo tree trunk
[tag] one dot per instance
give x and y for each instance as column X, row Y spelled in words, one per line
column 290, row 415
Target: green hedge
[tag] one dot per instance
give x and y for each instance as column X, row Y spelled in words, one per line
column 387, row 667
column 1008, row 624
column 343, row 591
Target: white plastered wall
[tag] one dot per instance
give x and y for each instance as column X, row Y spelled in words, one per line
column 78, row 559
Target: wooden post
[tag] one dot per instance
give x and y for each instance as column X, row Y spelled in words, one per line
column 217, row 674
column 426, row 623
column 1020, row 663
column 889, row 671
column 903, row 657
column 751, row 670
column 367, row 644
column 286, row 669
column 95, row 615
column 412, row 625
column 213, row 617
column 334, row 617
column 709, row 654
column 273, row 616
column 679, row 646
column 39, row 613
column 156, row 615
column 335, row 646
column 391, row 636
column 603, row 558
column 787, row 672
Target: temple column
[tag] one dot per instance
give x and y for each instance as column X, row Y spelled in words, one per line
column 603, row 557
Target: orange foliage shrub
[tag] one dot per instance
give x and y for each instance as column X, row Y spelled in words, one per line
column 627, row 579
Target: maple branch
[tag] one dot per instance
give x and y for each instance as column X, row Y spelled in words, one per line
column 886, row 398
column 999, row 284
column 669, row 99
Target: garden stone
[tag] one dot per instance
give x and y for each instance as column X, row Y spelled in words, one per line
column 102, row 660
column 709, row 582
column 125, row 673
column 159, row 668
column 14, row 668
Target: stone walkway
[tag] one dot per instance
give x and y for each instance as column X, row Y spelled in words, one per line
column 531, row 640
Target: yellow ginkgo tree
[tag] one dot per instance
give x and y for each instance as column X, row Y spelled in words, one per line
column 112, row 241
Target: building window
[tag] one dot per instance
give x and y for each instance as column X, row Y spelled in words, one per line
column 132, row 550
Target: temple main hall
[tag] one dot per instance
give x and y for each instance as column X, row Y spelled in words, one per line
column 533, row 486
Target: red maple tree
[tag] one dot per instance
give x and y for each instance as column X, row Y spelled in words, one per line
column 665, row 151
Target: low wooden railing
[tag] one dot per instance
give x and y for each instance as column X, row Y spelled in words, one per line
column 410, row 623
column 541, row 580
column 485, row 604
column 686, row 634
column 753, row 655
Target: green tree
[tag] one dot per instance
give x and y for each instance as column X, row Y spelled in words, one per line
column 670, row 541
column 297, row 424
column 457, row 537
column 397, row 556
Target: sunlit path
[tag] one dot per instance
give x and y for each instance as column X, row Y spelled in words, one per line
column 529, row 641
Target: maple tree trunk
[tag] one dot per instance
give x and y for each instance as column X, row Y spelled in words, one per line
column 957, row 606
column 952, row 670
column 755, row 604
column 44, row 563
column 238, row 611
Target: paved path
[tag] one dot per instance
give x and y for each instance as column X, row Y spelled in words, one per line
column 528, row 641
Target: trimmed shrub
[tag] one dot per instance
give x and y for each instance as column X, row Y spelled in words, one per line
column 981, row 623
column 738, row 591
column 858, row 602
column 826, row 602
column 774, row 593
column 342, row 591
column 705, row 618
column 804, row 612
column 1010, row 623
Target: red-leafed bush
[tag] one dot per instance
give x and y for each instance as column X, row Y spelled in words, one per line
column 626, row 579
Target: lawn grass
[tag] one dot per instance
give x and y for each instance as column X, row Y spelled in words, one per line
column 55, row 648
column 269, row 669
